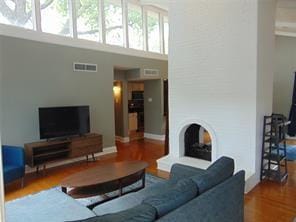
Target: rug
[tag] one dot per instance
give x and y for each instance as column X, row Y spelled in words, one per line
column 149, row 180
column 55, row 206
column 291, row 152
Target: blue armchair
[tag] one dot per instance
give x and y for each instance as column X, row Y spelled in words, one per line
column 13, row 163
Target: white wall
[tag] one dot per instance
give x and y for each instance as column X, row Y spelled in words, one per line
column 284, row 74
column 1, row 169
column 213, row 75
column 265, row 72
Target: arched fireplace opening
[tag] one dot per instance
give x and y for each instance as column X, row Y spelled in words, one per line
column 198, row 142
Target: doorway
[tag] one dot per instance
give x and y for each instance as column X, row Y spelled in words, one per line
column 128, row 106
column 140, row 106
column 136, row 110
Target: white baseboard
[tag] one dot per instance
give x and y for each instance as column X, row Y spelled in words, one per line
column 154, row 136
column 122, row 139
column 107, row 150
column 251, row 182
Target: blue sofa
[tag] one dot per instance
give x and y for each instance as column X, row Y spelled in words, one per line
column 191, row 194
column 13, row 163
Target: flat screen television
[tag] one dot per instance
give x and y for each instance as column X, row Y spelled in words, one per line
column 57, row 122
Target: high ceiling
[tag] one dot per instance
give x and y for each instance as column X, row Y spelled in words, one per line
column 163, row 4
column 286, row 17
column 285, row 14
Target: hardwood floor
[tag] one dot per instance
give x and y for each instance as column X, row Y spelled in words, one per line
column 268, row 201
column 147, row 150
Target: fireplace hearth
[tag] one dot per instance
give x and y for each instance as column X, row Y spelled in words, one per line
column 197, row 143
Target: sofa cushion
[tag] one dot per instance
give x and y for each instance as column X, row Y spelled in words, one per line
column 223, row 203
column 140, row 213
column 218, row 172
column 180, row 171
column 168, row 200
column 131, row 200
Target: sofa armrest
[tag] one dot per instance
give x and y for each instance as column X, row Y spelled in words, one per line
column 223, row 203
column 13, row 155
column 180, row 171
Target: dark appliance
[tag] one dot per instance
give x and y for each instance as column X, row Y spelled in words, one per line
column 63, row 121
column 137, row 95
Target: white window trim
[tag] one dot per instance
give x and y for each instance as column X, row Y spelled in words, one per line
column 18, row 32
column 145, row 29
column 102, row 23
column 73, row 18
column 57, row 39
column 36, row 15
column 161, row 34
column 124, row 4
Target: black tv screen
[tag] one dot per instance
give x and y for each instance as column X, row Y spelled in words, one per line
column 63, row 121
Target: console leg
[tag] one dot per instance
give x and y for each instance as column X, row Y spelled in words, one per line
column 64, row 189
column 93, row 157
column 44, row 168
column 143, row 179
column 120, row 188
column 86, row 158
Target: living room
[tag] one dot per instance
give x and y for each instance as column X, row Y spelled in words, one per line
column 65, row 65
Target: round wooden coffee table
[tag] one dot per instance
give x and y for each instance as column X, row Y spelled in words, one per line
column 105, row 178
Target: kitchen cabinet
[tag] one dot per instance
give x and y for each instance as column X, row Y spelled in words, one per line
column 133, row 121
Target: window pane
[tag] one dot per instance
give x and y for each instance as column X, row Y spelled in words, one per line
column 18, row 15
column 55, row 17
column 113, row 22
column 135, row 27
column 153, row 31
column 166, row 34
column 87, row 19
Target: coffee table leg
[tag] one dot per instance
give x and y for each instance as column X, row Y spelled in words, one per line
column 64, row 189
column 120, row 188
column 143, row 179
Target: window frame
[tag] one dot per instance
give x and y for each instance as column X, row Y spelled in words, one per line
column 37, row 23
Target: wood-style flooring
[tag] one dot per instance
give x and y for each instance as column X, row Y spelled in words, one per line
column 268, row 201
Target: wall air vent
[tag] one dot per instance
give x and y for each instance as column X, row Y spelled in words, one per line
column 151, row 72
column 84, row 67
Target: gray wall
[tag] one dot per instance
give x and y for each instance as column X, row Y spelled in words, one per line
column 153, row 111
column 118, row 108
column 284, row 74
column 121, row 115
column 39, row 74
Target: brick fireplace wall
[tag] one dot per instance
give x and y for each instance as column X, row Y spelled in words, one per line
column 219, row 78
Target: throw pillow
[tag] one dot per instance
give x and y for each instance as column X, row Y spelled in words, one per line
column 169, row 200
column 218, row 172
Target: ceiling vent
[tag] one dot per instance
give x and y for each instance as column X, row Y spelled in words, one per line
column 151, row 72
column 85, row 67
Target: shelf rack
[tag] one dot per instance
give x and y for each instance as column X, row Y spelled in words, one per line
column 273, row 160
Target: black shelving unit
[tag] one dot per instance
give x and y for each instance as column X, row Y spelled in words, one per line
column 274, row 161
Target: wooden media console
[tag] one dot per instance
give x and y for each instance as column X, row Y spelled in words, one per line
column 45, row 152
